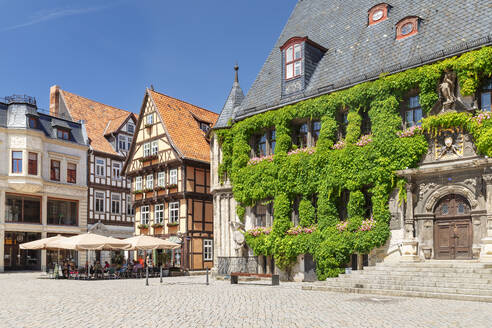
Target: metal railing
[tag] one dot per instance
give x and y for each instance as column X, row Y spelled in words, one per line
column 19, row 99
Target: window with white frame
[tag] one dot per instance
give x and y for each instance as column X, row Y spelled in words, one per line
column 149, row 181
column 129, row 206
column 174, row 212
column 116, row 170
column 130, row 127
column 122, row 142
column 161, row 179
column 159, row 213
column 147, row 149
column 100, row 167
column 99, row 201
column 129, row 142
column 138, row 183
column 115, row 203
column 149, row 119
column 173, row 176
column 144, row 214
column 155, row 147
column 208, row 250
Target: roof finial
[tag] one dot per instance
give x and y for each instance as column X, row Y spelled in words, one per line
column 152, row 87
column 236, row 78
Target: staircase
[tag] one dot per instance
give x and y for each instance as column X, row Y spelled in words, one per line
column 455, row 280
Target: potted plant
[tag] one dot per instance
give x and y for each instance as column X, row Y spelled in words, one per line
column 172, row 186
column 144, row 228
column 157, row 228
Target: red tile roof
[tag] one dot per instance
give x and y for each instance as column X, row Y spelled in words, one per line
column 100, row 119
column 182, row 122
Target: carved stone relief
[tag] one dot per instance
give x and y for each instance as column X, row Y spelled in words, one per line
column 447, row 91
column 448, row 144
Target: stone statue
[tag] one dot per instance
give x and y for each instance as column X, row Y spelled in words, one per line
column 447, row 89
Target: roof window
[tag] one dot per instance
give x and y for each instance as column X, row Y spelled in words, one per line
column 378, row 13
column 408, row 26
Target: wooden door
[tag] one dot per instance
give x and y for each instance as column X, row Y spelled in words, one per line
column 453, row 229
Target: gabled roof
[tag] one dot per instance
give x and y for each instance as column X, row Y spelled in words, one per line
column 181, row 121
column 358, row 52
column 100, row 119
column 234, row 100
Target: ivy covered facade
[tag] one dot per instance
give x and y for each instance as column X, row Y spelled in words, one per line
column 319, row 168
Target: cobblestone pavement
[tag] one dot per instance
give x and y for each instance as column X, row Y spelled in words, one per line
column 28, row 301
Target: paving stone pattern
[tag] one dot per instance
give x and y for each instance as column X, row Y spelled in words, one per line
column 27, row 301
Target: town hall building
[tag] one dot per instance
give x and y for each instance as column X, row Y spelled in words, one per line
column 345, row 81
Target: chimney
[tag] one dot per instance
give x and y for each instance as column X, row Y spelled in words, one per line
column 54, row 100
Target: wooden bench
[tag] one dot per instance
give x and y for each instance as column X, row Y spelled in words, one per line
column 235, row 277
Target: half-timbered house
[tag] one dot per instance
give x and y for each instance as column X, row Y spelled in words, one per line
column 110, row 131
column 169, row 164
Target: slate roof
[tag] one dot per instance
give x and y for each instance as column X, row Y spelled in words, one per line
column 357, row 52
column 181, row 121
column 46, row 123
column 100, row 119
column 234, row 100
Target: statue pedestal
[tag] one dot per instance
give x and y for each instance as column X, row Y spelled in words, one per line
column 486, row 253
column 409, row 251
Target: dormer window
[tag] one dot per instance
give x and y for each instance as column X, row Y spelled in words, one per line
column 33, row 122
column 407, row 27
column 204, row 127
column 293, row 61
column 62, row 134
column 378, row 13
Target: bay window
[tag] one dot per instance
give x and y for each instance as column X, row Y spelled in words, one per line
column 16, row 162
column 32, row 167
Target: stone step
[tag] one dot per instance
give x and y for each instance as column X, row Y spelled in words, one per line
column 389, row 292
column 424, row 275
column 413, row 288
column 428, row 269
column 426, row 283
column 437, row 264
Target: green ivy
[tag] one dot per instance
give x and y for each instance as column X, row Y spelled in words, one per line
column 367, row 171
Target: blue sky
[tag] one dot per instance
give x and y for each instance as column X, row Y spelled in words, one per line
column 111, row 50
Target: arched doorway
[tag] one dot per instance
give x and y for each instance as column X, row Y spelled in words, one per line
column 453, row 229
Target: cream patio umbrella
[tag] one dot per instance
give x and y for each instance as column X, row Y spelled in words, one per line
column 144, row 242
column 41, row 244
column 90, row 241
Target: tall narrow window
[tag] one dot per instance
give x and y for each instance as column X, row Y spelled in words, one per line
column 100, row 165
column 149, row 182
column 293, row 61
column 99, row 202
column 129, row 206
column 16, row 162
column 129, row 141
column 155, row 147
column 33, row 164
column 208, row 249
column 159, row 213
column 144, row 214
column 161, row 179
column 174, row 212
column 115, row 203
column 55, row 170
column 71, row 173
column 413, row 115
column 260, row 145
column 147, row 149
column 302, row 135
column 486, row 96
column 272, row 141
column 173, row 176
column 138, row 183
column 122, row 143
column 116, row 170
column 316, row 129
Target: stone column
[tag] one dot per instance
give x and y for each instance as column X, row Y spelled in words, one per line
column 2, row 241
column 2, row 230
column 44, row 234
column 486, row 252
column 409, row 243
